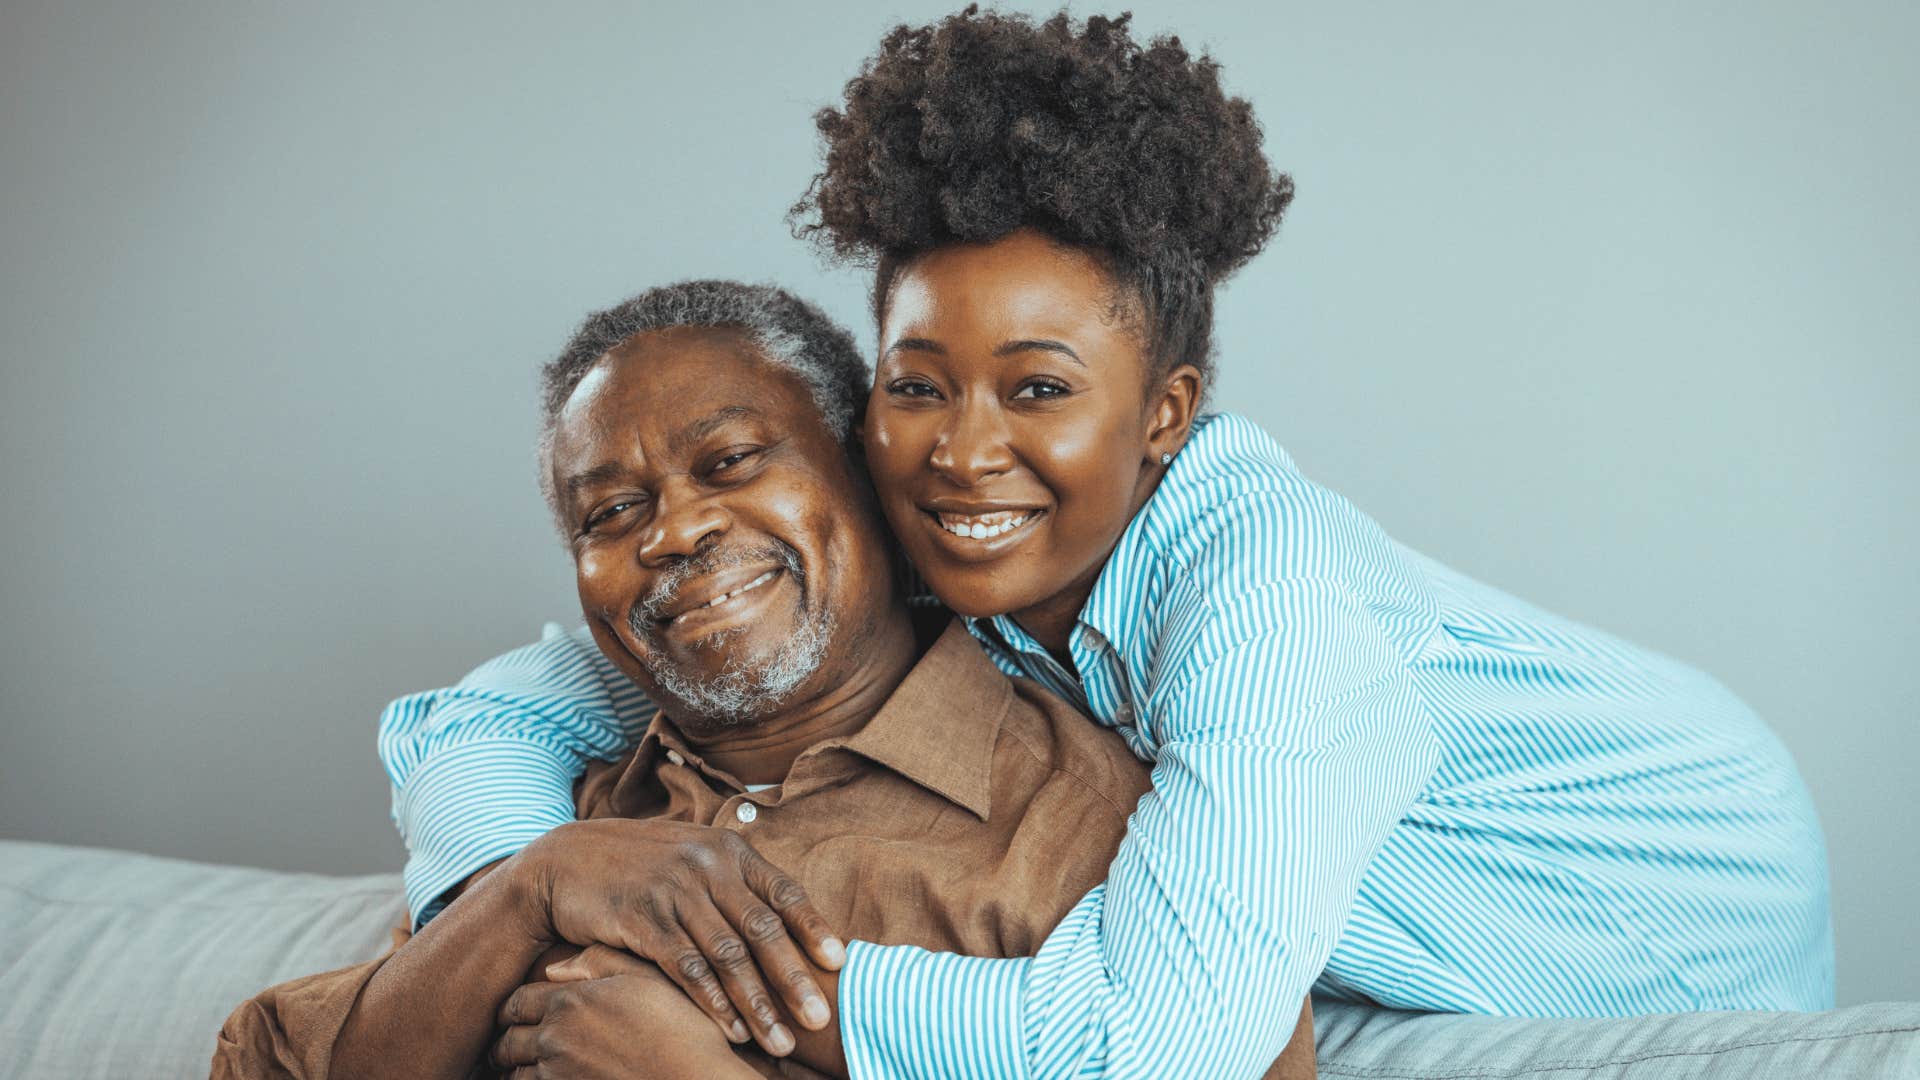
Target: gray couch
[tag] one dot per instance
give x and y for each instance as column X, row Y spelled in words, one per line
column 121, row 965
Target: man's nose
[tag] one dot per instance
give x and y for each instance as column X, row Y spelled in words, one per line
column 973, row 446
column 682, row 525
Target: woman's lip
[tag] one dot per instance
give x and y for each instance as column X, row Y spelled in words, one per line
column 962, row 508
column 968, row 549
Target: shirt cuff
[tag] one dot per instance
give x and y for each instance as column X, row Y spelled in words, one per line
column 910, row 1014
column 469, row 805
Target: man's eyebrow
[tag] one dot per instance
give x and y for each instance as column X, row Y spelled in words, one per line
column 602, row 473
column 713, row 422
column 1038, row 345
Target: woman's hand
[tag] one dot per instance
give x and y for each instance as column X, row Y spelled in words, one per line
column 633, row 1024
column 717, row 918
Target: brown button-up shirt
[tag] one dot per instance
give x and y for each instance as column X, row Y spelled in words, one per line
column 969, row 815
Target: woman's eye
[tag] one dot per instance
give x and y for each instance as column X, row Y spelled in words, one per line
column 1042, row 388
column 912, row 388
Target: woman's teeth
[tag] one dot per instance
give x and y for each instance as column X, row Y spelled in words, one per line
column 984, row 527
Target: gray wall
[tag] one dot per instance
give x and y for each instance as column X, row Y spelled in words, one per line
column 1611, row 305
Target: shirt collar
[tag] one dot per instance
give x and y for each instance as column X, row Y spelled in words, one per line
column 938, row 729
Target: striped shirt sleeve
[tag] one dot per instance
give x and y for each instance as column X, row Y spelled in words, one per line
column 1288, row 738
column 482, row 768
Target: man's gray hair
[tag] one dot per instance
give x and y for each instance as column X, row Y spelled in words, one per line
column 786, row 329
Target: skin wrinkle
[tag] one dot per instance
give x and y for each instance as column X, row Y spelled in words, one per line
column 744, row 690
column 687, row 518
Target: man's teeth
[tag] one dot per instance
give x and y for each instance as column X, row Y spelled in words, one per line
column 726, row 596
column 984, row 527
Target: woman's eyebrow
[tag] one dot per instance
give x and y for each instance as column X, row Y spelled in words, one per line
column 1040, row 345
column 917, row 344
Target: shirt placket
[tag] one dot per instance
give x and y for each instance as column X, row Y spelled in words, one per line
column 1104, row 681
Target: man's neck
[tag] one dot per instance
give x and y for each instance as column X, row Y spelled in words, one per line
column 763, row 753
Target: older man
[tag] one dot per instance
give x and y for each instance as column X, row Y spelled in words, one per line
column 731, row 565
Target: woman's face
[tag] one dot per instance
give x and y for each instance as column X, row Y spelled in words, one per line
column 1013, row 429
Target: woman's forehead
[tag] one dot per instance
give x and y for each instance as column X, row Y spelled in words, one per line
column 1006, row 289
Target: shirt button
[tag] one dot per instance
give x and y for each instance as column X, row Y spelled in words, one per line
column 674, row 756
column 746, row 812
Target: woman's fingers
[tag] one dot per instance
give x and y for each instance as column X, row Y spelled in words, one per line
column 733, row 962
column 595, row 962
column 776, row 955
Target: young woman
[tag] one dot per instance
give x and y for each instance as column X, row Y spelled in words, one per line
column 1373, row 776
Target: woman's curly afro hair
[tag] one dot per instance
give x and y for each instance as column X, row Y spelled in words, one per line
column 983, row 123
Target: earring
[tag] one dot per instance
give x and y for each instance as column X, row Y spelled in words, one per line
column 1166, row 459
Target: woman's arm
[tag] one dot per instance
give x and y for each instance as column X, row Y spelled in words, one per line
column 1289, row 741
column 481, row 769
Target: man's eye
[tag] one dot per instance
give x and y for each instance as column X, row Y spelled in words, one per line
column 1042, row 388
column 602, row 516
column 733, row 458
column 919, row 388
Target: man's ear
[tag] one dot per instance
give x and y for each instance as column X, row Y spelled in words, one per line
column 1172, row 403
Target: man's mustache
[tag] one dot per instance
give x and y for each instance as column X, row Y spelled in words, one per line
column 647, row 611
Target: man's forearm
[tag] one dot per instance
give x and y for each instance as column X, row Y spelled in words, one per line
column 429, row 1010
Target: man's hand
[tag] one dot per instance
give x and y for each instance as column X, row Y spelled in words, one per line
column 634, row 1024
column 718, row 919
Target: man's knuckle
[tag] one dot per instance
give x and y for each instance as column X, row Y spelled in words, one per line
column 728, row 951
column 786, row 893
column 657, row 910
column 693, row 967
column 696, row 855
column 761, row 924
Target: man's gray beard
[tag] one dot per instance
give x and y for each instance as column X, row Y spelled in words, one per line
column 744, row 692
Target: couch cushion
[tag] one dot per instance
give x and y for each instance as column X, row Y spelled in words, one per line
column 1864, row 1042
column 121, row 965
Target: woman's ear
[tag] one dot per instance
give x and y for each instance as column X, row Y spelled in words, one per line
column 1171, row 407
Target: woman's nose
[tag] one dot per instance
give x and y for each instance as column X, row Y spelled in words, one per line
column 973, row 447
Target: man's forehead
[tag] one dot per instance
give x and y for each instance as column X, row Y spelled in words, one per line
column 670, row 381
column 674, row 394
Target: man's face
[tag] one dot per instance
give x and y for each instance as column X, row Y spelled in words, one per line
column 728, row 557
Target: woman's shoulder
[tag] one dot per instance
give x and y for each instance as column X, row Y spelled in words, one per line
column 1241, row 539
column 1233, row 496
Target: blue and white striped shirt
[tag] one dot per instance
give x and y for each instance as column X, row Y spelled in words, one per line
column 1372, row 776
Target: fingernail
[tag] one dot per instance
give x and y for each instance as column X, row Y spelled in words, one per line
column 781, row 1038
column 738, row 1032
column 815, row 1012
column 833, row 952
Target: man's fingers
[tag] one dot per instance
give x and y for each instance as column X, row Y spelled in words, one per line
column 804, row 922
column 528, row 1005
column 515, row 1047
column 779, row 959
column 682, row 961
column 734, row 962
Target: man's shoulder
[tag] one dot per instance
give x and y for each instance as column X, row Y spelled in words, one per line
column 1045, row 739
